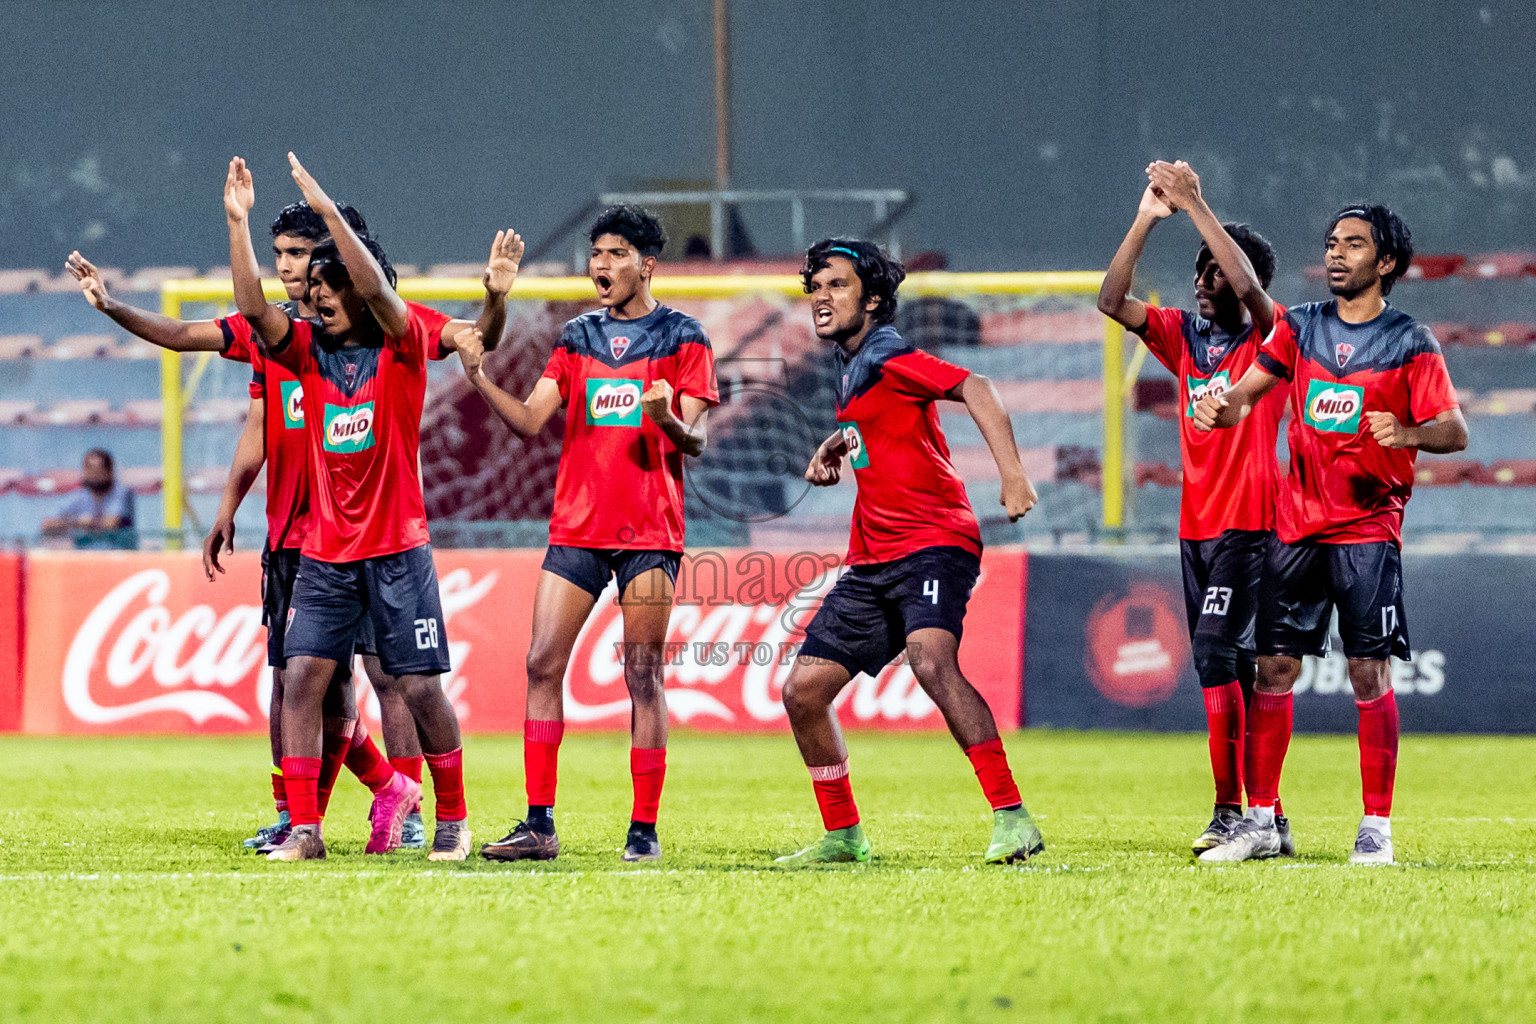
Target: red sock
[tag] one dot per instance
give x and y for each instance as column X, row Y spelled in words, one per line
column 365, row 761
column 448, row 784
column 648, row 768
column 335, row 740
column 279, row 796
column 992, row 772
column 410, row 767
column 541, row 760
column 1224, row 727
column 1378, row 752
column 299, row 777
column 1269, row 734
column 834, row 795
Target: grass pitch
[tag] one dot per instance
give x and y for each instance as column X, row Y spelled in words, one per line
column 124, row 893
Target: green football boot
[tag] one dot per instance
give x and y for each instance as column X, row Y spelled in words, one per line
column 265, row 834
column 840, row 846
column 1015, row 838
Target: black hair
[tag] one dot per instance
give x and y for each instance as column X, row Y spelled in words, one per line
column 105, row 457
column 334, row 272
column 1254, row 245
column 1388, row 231
column 878, row 273
column 638, row 227
column 299, row 220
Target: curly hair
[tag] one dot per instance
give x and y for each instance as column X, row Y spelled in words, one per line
column 334, row 272
column 878, row 273
column 299, row 220
column 1388, row 231
column 638, row 227
column 1254, row 245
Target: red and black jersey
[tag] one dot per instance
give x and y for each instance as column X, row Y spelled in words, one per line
column 362, row 414
column 620, row 483
column 910, row 496
column 1344, row 487
column 1230, row 476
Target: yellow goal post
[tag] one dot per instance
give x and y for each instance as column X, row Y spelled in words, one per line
column 177, row 385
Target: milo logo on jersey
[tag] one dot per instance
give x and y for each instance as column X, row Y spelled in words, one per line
column 858, row 455
column 293, row 405
column 613, row 402
column 348, row 428
column 1334, row 407
column 1198, row 389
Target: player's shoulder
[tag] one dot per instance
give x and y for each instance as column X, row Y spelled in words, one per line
column 682, row 328
column 886, row 343
column 1414, row 337
column 1310, row 312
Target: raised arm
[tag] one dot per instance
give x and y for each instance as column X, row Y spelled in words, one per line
column 176, row 335
column 500, row 272
column 367, row 276
column 270, row 324
column 250, row 453
column 1115, row 299
column 1217, row 412
column 690, row 432
column 1180, row 185
column 986, row 408
column 525, row 418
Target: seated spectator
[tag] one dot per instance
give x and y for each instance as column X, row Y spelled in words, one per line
column 100, row 514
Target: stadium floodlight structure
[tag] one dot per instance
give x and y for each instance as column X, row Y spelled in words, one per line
column 973, row 289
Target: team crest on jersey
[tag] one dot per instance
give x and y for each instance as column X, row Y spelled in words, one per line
column 613, row 402
column 858, row 455
column 1216, row 351
column 618, row 346
column 293, row 405
column 1334, row 408
column 1342, row 351
column 348, row 428
column 1219, row 384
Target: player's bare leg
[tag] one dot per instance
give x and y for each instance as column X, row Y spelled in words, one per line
column 647, row 606
column 275, row 833
column 560, row 609
column 441, row 746
column 402, row 741
column 304, row 687
column 1372, row 682
column 1269, row 717
column 809, row 696
column 933, row 655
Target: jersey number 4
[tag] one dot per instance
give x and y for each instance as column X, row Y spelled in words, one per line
column 931, row 591
column 426, row 634
column 1217, row 601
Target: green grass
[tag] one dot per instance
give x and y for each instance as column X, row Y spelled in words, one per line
column 124, row 894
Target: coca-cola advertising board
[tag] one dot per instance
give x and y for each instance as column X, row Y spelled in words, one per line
column 136, row 642
column 10, row 641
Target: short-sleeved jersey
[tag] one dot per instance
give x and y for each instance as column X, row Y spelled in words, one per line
column 1344, row 487
column 286, row 441
column 362, row 415
column 910, row 496
column 1230, row 476
column 620, row 483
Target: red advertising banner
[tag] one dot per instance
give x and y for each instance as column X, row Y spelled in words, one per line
column 139, row 642
column 10, row 641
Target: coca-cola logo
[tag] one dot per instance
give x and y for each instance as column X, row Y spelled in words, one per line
column 131, row 639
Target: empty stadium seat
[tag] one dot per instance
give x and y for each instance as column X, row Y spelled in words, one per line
column 1439, row 472
column 1497, row 265
column 1157, row 473
column 16, row 413
column 20, row 346
column 82, row 346
column 1514, row 472
column 1430, row 268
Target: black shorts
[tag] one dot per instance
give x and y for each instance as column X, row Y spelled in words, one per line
column 865, row 620
column 395, row 594
column 278, row 570
column 1221, row 590
column 592, row 568
column 1303, row 583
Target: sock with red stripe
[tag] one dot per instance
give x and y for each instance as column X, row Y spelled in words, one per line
column 541, row 760
column 834, row 795
column 648, row 769
column 1378, row 752
column 1268, row 737
column 448, row 784
column 1224, row 723
column 279, row 795
column 993, row 773
column 335, row 741
column 366, row 762
column 410, row 767
column 300, row 775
